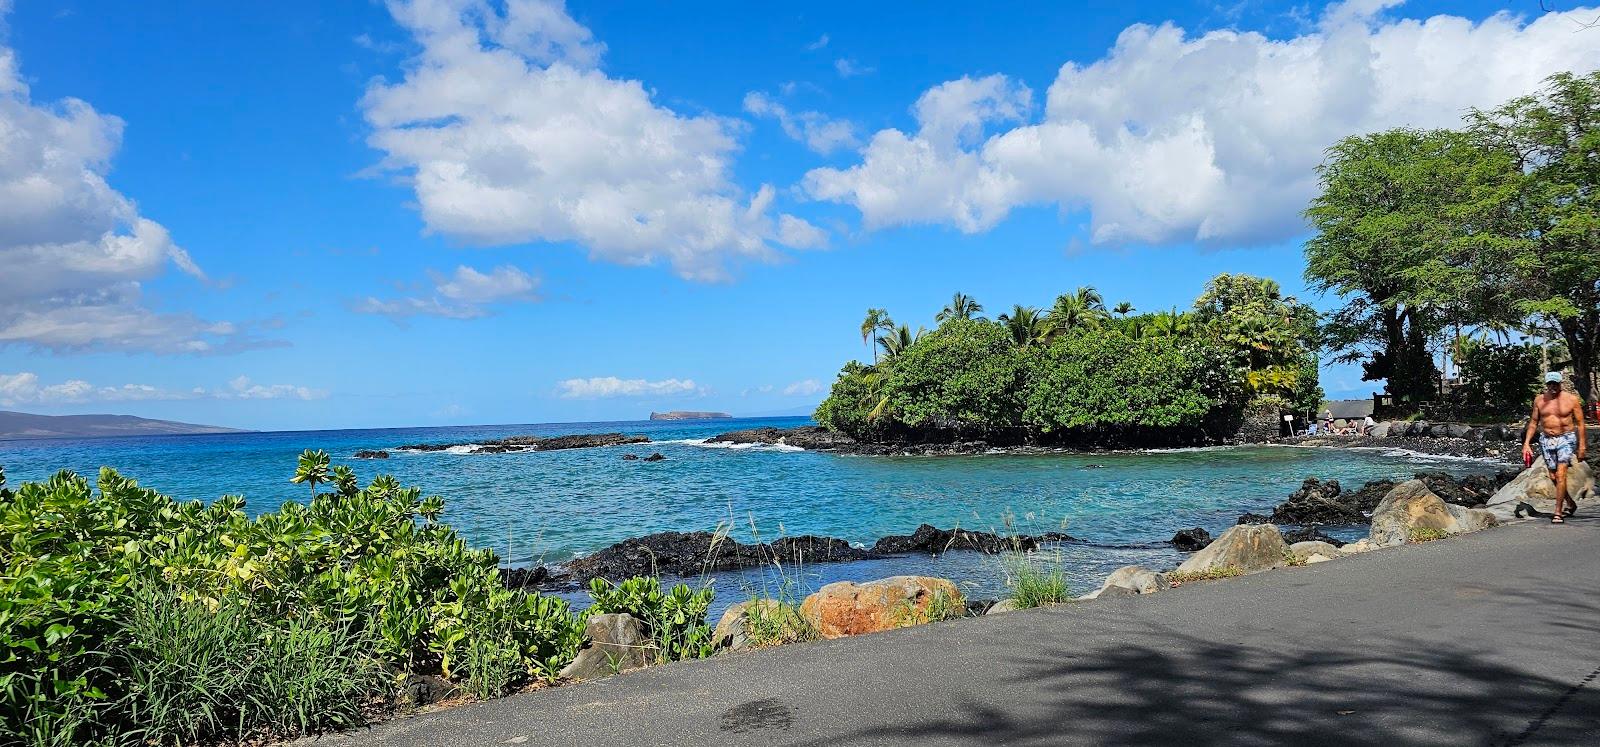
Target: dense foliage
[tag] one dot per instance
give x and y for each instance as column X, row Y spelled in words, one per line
column 1078, row 373
column 1497, row 380
column 1494, row 227
column 128, row 617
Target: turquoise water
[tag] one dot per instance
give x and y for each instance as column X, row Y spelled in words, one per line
column 550, row 506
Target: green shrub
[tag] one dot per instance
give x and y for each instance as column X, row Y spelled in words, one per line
column 962, row 377
column 850, row 405
column 675, row 620
column 1496, row 380
column 1105, row 381
column 360, row 573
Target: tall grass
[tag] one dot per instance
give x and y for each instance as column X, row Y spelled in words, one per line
column 197, row 673
column 1035, row 579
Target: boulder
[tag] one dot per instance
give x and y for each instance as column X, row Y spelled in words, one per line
column 1417, row 428
column 616, row 642
column 1459, row 430
column 1190, row 540
column 1248, row 518
column 1381, row 430
column 1109, row 592
column 427, row 689
column 1359, row 546
column 1248, row 547
column 1411, row 505
column 1534, row 487
column 1317, row 558
column 1310, row 534
column 1303, row 551
column 630, row 457
column 1003, row 606
column 372, row 454
column 1138, row 578
column 845, row 608
column 731, row 632
column 656, row 457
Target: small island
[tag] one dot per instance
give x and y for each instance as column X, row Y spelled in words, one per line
column 689, row 415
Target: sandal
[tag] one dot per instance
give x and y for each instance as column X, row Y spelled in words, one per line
column 1556, row 519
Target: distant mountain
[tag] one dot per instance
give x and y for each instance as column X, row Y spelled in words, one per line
column 14, row 425
column 688, row 415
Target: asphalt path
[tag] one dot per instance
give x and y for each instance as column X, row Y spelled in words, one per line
column 1488, row 638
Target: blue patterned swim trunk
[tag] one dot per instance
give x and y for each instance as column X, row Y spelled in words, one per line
column 1558, row 450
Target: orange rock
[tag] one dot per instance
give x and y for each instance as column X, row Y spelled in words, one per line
column 846, row 608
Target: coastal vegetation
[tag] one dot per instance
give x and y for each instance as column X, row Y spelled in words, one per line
column 1477, row 247
column 127, row 617
column 1079, row 374
column 1430, row 238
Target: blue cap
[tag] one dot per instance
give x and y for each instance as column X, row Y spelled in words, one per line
column 1554, row 377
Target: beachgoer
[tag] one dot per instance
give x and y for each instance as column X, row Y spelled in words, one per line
column 1327, row 421
column 1558, row 416
column 1367, row 425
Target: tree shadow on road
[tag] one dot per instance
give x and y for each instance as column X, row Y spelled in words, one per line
column 1404, row 689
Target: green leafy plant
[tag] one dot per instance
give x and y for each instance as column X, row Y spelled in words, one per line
column 98, row 585
column 675, row 619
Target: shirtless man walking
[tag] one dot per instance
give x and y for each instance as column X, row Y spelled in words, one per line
column 1558, row 416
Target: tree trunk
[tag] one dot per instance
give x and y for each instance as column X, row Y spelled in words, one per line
column 1580, row 333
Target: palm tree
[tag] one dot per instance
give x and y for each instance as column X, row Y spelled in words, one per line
column 313, row 469
column 1082, row 309
column 961, row 307
column 1123, row 309
column 898, row 341
column 877, row 321
column 1167, row 324
column 1026, row 325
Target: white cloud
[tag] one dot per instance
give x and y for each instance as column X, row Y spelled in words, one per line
column 243, row 388
column 816, row 130
column 1212, row 138
column 804, row 388
column 849, row 68
column 73, row 249
column 822, row 41
column 465, row 294
column 509, row 133
column 611, row 386
column 24, row 388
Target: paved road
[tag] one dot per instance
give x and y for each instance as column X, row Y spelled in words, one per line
column 1483, row 639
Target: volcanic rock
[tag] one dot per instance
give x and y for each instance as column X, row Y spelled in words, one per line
column 930, row 539
column 1190, row 540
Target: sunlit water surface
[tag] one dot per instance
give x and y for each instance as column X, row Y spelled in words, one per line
column 551, row 506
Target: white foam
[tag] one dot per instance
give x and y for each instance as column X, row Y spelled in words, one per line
column 707, row 443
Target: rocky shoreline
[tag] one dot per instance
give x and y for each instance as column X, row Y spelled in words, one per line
column 689, row 554
column 1491, row 443
column 533, row 443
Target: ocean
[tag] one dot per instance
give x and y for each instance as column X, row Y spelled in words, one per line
column 547, row 507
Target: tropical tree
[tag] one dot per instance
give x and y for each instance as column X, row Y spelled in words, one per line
column 1171, row 323
column 1082, row 309
column 898, row 341
column 1399, row 219
column 961, row 306
column 1025, row 324
column 1548, row 262
column 876, row 321
column 1123, row 309
column 312, row 469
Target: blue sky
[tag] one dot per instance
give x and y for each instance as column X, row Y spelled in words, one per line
column 320, row 215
